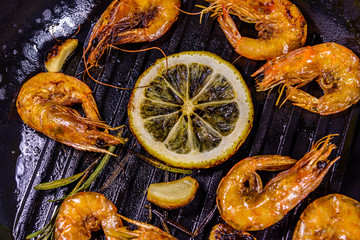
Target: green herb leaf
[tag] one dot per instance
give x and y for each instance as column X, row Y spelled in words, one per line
column 59, row 182
column 35, row 234
column 48, row 230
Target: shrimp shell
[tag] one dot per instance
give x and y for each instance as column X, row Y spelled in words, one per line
column 252, row 207
column 334, row 216
column 280, row 24
column 335, row 68
column 84, row 212
column 131, row 21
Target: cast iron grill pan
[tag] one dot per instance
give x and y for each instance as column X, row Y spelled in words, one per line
column 30, row 158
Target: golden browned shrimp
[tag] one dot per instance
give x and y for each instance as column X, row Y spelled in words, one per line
column 280, row 24
column 131, row 21
column 252, row 207
column 84, row 212
column 43, row 104
column 225, row 232
column 335, row 67
column 334, row 216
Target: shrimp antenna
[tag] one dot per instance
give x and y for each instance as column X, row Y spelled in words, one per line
column 201, row 13
column 281, row 91
column 214, row 7
column 125, row 50
column 95, row 80
column 189, row 13
column 142, row 50
column 326, row 139
column 77, row 31
column 236, row 59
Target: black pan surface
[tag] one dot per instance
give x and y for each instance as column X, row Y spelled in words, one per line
column 28, row 30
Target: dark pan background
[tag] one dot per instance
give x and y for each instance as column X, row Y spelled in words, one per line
column 28, row 157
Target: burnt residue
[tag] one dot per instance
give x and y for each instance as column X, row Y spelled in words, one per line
column 54, row 51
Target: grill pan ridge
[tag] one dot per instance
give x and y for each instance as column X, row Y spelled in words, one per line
column 30, row 158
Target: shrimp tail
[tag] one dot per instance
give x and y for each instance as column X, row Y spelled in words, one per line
column 302, row 99
column 229, row 28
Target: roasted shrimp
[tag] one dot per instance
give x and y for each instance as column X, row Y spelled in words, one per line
column 245, row 205
column 223, row 231
column 335, row 68
column 84, row 212
column 131, row 21
column 280, row 24
column 43, row 104
column 334, row 216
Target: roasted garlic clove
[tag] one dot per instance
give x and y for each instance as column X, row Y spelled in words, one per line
column 173, row 194
column 58, row 54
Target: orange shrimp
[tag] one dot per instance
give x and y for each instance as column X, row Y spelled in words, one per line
column 334, row 216
column 225, row 232
column 252, row 207
column 280, row 24
column 131, row 21
column 335, row 68
column 43, row 104
column 84, row 212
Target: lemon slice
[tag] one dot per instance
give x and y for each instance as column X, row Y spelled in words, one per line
column 192, row 111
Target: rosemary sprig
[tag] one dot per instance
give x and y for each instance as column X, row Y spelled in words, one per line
column 59, row 182
column 65, row 181
column 85, row 179
column 48, row 230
